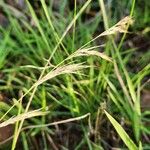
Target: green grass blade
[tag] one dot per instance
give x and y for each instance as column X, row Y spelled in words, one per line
column 123, row 135
column 38, row 24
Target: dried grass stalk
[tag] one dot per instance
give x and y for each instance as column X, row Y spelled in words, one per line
column 67, row 69
column 87, row 52
column 121, row 26
column 22, row 116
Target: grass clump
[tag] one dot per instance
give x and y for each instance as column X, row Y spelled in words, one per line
column 67, row 79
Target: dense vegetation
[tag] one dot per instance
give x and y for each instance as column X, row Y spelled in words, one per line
column 74, row 74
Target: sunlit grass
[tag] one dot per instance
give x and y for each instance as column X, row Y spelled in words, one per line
column 56, row 68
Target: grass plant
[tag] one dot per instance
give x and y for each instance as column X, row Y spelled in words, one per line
column 63, row 70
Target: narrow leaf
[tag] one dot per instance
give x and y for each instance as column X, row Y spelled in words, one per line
column 122, row 133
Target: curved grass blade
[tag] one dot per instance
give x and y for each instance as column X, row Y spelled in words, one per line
column 122, row 133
